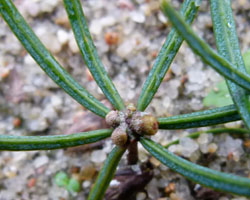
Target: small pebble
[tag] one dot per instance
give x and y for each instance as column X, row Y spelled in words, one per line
column 154, row 161
column 17, row 122
column 170, row 188
column 212, row 148
column 62, row 36
column 141, row 196
column 40, row 161
column 5, row 72
column 89, row 75
column 128, row 36
column 48, row 5
column 31, row 182
column 188, row 146
column 86, row 184
column 138, row 17
column 108, row 21
column 88, row 172
column 114, row 182
column 174, row 196
column 125, row 49
column 72, row 44
column 247, row 143
column 31, row 7
column 95, row 27
column 98, row 156
column 111, row 38
column 230, row 148
column 152, row 189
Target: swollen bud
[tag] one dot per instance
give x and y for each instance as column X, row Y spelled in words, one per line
column 112, row 118
column 144, row 124
column 149, row 125
column 119, row 136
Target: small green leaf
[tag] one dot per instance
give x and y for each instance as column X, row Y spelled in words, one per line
column 215, row 131
column 246, row 58
column 61, row 179
column 221, row 181
column 73, row 186
column 48, row 142
column 46, row 61
column 165, row 57
column 106, row 174
column 201, row 118
column 228, row 46
column 89, row 52
column 219, row 96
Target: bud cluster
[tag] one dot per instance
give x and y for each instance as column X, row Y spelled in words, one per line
column 130, row 124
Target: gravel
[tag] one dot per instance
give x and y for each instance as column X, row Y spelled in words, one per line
column 31, row 104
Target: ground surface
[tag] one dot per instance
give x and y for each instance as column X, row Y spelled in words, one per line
column 31, row 104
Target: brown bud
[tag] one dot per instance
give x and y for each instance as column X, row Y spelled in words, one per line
column 144, row 124
column 149, row 125
column 119, row 136
column 112, row 118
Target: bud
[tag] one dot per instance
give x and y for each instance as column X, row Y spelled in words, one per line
column 119, row 136
column 112, row 118
column 149, row 125
column 144, row 124
column 131, row 107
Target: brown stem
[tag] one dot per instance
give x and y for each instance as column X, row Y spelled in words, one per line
column 132, row 156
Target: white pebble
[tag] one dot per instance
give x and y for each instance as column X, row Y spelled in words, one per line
column 56, row 102
column 172, row 88
column 152, row 189
column 162, row 18
column 136, row 168
column 125, row 49
column 63, row 36
column 114, row 183
column 28, row 60
column 188, row 146
column 95, row 27
column 72, row 44
column 31, row 7
column 138, row 17
column 175, row 149
column 52, row 43
column 19, row 156
column 48, row 5
column 231, row 146
column 40, row 161
column 48, row 38
column 86, row 184
column 195, row 76
column 196, row 104
column 204, row 140
column 49, row 113
column 176, row 69
column 108, row 21
column 98, row 156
